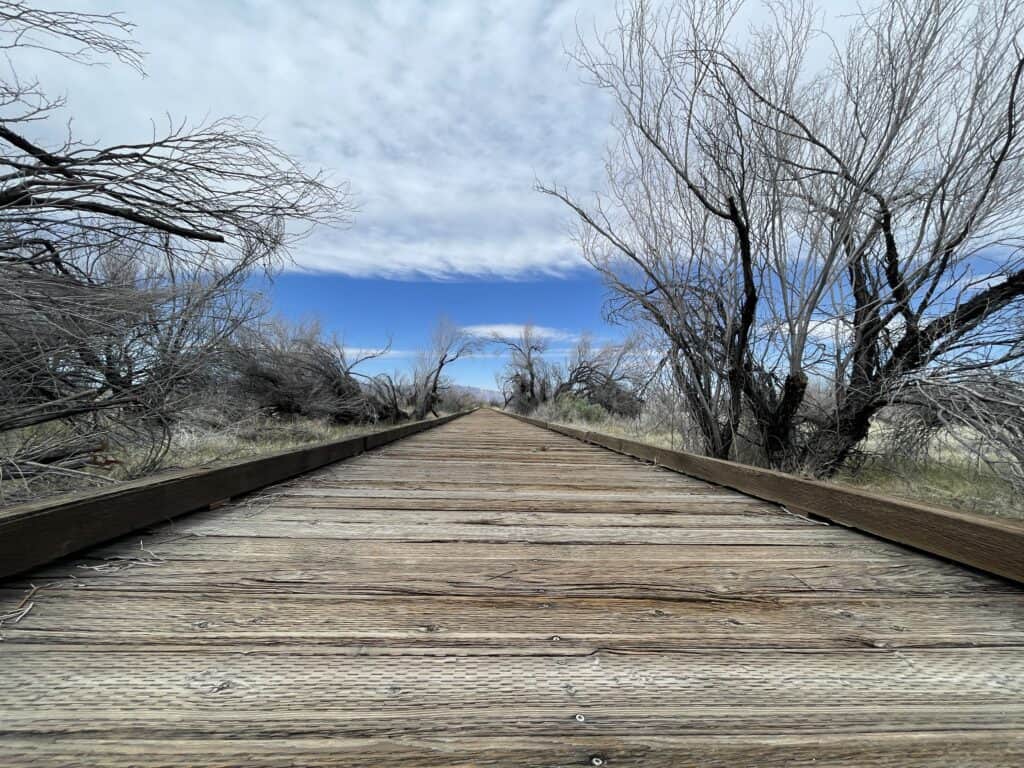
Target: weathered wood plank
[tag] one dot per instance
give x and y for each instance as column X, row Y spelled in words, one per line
column 686, row 693
column 569, row 534
column 964, row 749
column 660, row 518
column 178, row 545
column 988, row 543
column 499, row 503
column 156, row 617
column 682, row 580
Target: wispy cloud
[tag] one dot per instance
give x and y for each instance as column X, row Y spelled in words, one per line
column 514, row 330
column 440, row 114
column 354, row 353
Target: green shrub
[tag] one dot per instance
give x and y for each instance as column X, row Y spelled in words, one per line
column 572, row 409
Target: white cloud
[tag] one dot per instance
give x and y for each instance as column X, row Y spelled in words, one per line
column 829, row 330
column 440, row 114
column 354, row 353
column 371, row 254
column 513, row 330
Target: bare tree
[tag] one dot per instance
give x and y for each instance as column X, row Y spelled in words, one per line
column 109, row 355
column 527, row 379
column 607, row 376
column 857, row 226
column 448, row 343
column 981, row 413
column 296, row 370
column 389, row 395
column 123, row 269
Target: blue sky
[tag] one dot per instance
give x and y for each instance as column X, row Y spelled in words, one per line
column 369, row 311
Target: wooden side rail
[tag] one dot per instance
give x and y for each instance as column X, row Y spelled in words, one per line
column 38, row 532
column 987, row 543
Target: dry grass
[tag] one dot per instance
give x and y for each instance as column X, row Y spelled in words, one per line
column 193, row 445
column 194, row 442
column 949, row 483
column 948, row 480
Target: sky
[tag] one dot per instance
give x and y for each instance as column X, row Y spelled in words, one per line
column 369, row 312
column 441, row 114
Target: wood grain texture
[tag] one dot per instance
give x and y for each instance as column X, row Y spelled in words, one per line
column 943, row 750
column 488, row 593
column 36, row 533
column 990, row 544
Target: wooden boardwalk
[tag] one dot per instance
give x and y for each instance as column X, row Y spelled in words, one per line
column 489, row 593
